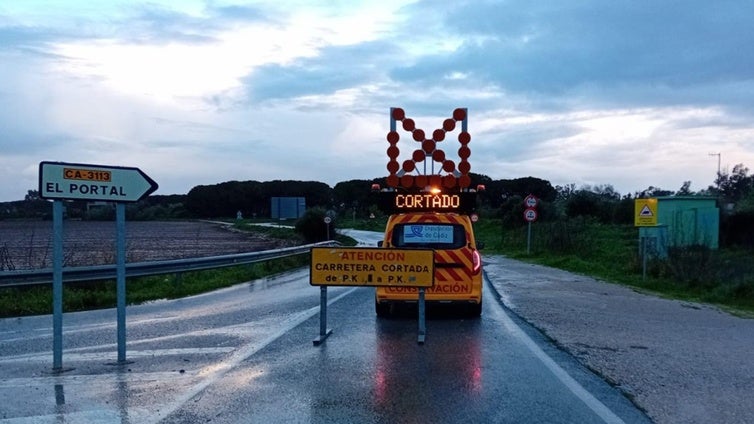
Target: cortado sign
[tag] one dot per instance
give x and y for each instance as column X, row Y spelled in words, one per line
column 334, row 266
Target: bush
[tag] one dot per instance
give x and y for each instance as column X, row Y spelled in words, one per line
column 738, row 229
column 566, row 236
column 694, row 266
column 312, row 226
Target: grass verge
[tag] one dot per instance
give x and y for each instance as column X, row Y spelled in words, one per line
column 723, row 277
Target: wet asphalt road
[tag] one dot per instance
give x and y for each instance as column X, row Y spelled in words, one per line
column 245, row 354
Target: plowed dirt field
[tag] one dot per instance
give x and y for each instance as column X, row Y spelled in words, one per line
column 28, row 244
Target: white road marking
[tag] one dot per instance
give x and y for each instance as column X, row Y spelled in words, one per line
column 577, row 389
column 93, row 379
column 193, row 380
column 111, row 356
column 218, row 370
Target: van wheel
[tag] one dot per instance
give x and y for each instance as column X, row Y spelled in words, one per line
column 382, row 309
column 475, row 310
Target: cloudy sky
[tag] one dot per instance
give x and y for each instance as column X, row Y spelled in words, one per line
column 630, row 93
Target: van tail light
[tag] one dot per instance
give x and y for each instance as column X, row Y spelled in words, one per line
column 477, row 261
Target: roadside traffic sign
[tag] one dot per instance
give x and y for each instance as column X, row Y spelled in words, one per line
column 328, row 220
column 645, row 212
column 76, row 181
column 531, row 201
column 360, row 266
column 530, row 214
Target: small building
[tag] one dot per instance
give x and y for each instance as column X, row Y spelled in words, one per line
column 683, row 221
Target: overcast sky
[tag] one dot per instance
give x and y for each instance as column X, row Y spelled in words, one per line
column 630, row 93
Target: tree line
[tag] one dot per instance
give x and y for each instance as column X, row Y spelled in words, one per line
column 502, row 199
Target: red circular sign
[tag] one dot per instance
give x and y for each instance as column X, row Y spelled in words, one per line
column 474, row 217
column 531, row 201
column 530, row 214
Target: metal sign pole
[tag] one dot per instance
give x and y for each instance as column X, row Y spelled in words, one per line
column 422, row 323
column 57, row 285
column 324, row 332
column 643, row 258
column 528, row 239
column 120, row 275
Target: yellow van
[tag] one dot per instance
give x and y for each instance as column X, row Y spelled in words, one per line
column 458, row 265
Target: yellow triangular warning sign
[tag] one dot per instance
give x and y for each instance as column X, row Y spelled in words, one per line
column 645, row 212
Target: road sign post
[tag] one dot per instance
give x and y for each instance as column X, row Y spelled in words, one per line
column 60, row 181
column 528, row 237
column 328, row 220
column 530, row 215
column 645, row 215
column 57, row 286
column 120, row 278
column 324, row 332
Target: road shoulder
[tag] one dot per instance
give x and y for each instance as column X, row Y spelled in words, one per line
column 681, row 362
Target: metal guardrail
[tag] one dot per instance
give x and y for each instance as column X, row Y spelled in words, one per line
column 142, row 269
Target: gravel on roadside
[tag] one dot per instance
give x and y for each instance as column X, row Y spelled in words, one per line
column 681, row 362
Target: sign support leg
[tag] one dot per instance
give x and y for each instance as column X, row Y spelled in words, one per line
column 324, row 332
column 528, row 239
column 422, row 317
column 120, row 275
column 643, row 258
column 57, row 286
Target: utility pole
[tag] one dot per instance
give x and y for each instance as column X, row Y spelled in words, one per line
column 718, row 169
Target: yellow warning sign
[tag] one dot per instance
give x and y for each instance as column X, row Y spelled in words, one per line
column 645, row 212
column 335, row 266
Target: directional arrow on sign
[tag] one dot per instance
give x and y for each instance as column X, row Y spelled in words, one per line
column 76, row 181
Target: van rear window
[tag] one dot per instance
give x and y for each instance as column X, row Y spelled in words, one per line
column 433, row 236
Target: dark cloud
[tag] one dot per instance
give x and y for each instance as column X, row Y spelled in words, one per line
column 32, row 40
column 144, row 24
column 22, row 142
column 559, row 48
column 156, row 24
column 13, row 36
column 239, row 13
column 333, row 69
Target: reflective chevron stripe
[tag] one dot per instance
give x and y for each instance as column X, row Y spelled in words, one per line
column 462, row 258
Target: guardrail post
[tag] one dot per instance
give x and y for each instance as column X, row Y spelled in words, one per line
column 178, row 281
column 324, row 332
